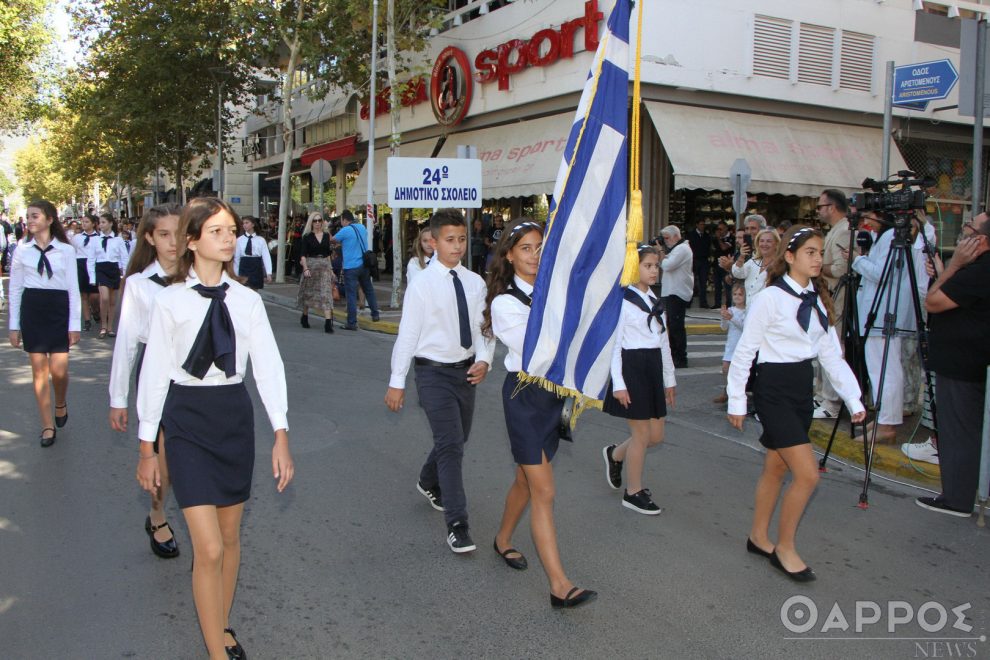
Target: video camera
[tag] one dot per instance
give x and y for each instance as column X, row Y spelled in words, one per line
column 908, row 197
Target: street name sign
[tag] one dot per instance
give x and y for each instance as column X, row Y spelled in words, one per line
column 917, row 84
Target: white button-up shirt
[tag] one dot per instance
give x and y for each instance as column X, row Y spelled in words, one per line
column 753, row 273
column 509, row 318
column 430, row 326
column 135, row 320
column 176, row 317
column 634, row 333
column 115, row 252
column 258, row 248
column 24, row 275
column 678, row 273
column 772, row 329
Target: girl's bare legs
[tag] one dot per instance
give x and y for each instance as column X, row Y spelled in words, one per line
column 767, row 491
column 104, row 308
column 646, row 433
column 157, row 512
column 516, row 501
column 58, row 367
column 42, row 391
column 801, row 462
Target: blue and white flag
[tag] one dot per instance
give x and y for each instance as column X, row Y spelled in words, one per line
column 577, row 298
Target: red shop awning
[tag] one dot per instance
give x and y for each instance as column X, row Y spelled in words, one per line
column 330, row 151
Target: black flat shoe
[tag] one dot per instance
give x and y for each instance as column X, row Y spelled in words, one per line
column 60, row 420
column 47, row 442
column 570, row 600
column 164, row 549
column 235, row 652
column 805, row 575
column 756, row 550
column 519, row 563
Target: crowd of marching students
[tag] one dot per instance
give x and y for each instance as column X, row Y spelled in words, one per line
column 189, row 325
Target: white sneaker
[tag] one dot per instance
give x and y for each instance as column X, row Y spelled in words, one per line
column 821, row 412
column 921, row 451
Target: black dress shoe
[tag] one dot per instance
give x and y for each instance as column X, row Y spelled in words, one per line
column 235, row 652
column 570, row 600
column 519, row 563
column 47, row 442
column 805, row 575
column 164, row 549
column 756, row 550
column 60, row 420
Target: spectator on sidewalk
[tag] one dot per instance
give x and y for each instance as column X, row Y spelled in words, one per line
column 723, row 245
column 754, row 271
column 678, row 286
column 353, row 239
column 701, row 251
column 958, row 304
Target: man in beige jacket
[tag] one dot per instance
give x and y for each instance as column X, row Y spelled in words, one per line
column 832, row 209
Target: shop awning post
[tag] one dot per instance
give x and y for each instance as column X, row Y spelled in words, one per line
column 888, row 121
column 468, row 151
column 980, row 68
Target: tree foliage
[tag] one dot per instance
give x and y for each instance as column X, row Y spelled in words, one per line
column 24, row 42
column 40, row 177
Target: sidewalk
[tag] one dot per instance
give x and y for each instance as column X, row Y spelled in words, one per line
column 699, row 321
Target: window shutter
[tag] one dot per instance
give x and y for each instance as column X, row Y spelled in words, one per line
column 772, row 47
column 815, row 52
column 856, row 65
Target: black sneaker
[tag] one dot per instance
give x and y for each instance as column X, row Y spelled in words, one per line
column 432, row 494
column 641, row 502
column 938, row 504
column 613, row 468
column 458, row 538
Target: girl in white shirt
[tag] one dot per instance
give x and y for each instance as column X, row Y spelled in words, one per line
column 642, row 383
column 532, row 414
column 732, row 323
column 110, row 260
column 789, row 323
column 422, row 254
column 44, row 310
column 153, row 259
column 84, row 244
column 203, row 329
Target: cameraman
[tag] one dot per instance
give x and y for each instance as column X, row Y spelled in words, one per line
column 958, row 305
column 676, row 262
column 871, row 267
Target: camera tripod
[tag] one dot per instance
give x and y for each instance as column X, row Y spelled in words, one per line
column 899, row 258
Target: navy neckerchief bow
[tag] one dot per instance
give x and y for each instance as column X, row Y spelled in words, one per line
column 86, row 238
column 216, row 342
column 157, row 279
column 809, row 301
column 104, row 241
column 44, row 266
column 653, row 311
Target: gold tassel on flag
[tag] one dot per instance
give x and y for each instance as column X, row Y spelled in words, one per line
column 634, row 211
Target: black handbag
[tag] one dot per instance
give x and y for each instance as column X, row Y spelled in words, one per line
column 368, row 258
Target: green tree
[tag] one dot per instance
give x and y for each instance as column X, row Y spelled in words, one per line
column 39, row 176
column 24, row 68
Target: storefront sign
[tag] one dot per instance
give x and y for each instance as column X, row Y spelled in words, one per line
column 434, row 183
column 542, row 49
column 413, row 93
column 450, row 86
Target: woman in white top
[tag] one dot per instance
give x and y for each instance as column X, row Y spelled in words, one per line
column 44, row 310
column 84, row 245
column 152, row 261
column 422, row 254
column 754, row 271
column 532, row 414
column 203, row 329
column 789, row 323
column 110, row 261
column 642, row 384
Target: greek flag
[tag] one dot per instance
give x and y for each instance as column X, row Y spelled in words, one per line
column 577, row 298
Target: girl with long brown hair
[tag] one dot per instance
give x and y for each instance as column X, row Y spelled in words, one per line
column 788, row 325
column 532, row 414
column 422, row 251
column 203, row 330
column 153, row 259
column 44, row 310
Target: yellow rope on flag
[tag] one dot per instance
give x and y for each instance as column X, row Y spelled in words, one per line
column 634, row 214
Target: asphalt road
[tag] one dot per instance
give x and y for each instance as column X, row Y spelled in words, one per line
column 351, row 562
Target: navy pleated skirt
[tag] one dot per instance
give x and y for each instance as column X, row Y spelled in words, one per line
column 45, row 320
column 783, row 395
column 532, row 417
column 643, row 374
column 82, row 273
column 253, row 270
column 108, row 274
column 209, row 436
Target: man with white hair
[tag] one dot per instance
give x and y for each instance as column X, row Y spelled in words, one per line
column 676, row 262
column 754, row 224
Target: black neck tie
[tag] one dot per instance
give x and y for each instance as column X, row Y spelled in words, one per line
column 86, row 238
column 127, row 244
column 104, row 240
column 157, row 279
column 216, row 342
column 462, row 312
column 249, row 250
column 44, row 266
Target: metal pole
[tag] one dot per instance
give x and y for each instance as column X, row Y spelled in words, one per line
column 888, row 120
column 371, row 123
column 981, row 49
